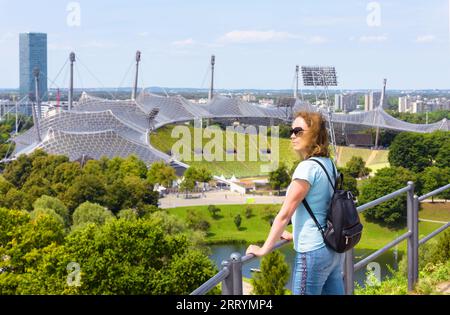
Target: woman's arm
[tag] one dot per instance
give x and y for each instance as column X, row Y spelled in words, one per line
column 298, row 190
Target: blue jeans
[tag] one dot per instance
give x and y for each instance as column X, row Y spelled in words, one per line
column 318, row 272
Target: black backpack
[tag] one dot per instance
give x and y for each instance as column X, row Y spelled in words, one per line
column 343, row 229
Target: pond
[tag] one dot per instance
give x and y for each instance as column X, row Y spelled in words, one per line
column 391, row 258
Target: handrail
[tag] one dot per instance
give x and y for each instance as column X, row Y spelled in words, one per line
column 212, row 282
column 250, row 257
column 434, row 192
column 379, row 252
column 382, row 199
column 231, row 274
column 434, row 233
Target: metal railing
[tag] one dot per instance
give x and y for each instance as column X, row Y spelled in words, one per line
column 231, row 273
column 412, row 237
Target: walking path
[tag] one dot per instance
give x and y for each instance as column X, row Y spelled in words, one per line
column 434, row 221
column 217, row 198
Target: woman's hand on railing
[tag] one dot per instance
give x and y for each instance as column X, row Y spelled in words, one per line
column 255, row 250
column 286, row 236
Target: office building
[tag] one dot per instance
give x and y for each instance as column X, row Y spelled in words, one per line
column 33, row 54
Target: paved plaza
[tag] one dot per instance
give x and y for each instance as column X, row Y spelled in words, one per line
column 217, row 198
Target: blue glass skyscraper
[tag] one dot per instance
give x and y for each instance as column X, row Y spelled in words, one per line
column 33, row 53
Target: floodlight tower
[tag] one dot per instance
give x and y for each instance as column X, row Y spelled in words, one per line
column 72, row 60
column 380, row 107
column 33, row 107
column 324, row 77
column 138, row 59
column 296, row 82
column 211, row 89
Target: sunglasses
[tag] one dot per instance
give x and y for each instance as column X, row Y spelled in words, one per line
column 296, row 131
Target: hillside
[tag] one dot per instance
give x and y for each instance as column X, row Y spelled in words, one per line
column 162, row 140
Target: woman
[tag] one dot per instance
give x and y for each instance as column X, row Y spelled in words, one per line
column 317, row 268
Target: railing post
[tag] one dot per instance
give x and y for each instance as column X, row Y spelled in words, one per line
column 412, row 245
column 415, row 237
column 349, row 272
column 236, row 272
column 227, row 283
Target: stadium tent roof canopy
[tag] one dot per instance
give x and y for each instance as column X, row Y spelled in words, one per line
column 98, row 126
column 96, row 144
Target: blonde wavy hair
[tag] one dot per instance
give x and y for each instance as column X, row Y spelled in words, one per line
column 317, row 136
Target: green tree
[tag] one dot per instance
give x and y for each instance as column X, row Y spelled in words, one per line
column 187, row 185
column 37, row 186
column 356, row 167
column 9, row 220
column 132, row 165
column 44, row 165
column 409, row 150
column 116, row 196
column 65, row 173
column 434, row 142
column 48, row 212
column 238, row 221
column 195, row 221
column 273, row 276
column 213, row 211
column 128, row 214
column 198, row 174
column 89, row 212
column 24, row 240
column 386, row 181
column 279, row 178
column 5, row 186
column 161, row 173
column 18, row 170
column 17, row 199
column 443, row 156
column 85, row 188
column 434, row 178
column 119, row 257
column 203, row 175
column 95, row 168
column 140, row 193
column 248, row 212
column 268, row 213
column 350, row 182
column 48, row 202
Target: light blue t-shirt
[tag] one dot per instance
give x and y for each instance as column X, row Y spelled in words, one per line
column 306, row 234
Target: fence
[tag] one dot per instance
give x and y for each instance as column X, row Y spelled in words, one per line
column 231, row 273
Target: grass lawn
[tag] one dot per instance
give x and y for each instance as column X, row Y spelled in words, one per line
column 162, row 140
column 439, row 211
column 255, row 229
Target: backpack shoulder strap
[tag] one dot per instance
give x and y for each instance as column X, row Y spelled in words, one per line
column 325, row 170
column 308, row 208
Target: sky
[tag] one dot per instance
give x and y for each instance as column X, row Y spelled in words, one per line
column 257, row 43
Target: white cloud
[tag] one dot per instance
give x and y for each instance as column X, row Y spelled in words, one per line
column 373, row 39
column 421, row 39
column 143, row 34
column 184, row 42
column 252, row 36
column 317, row 40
